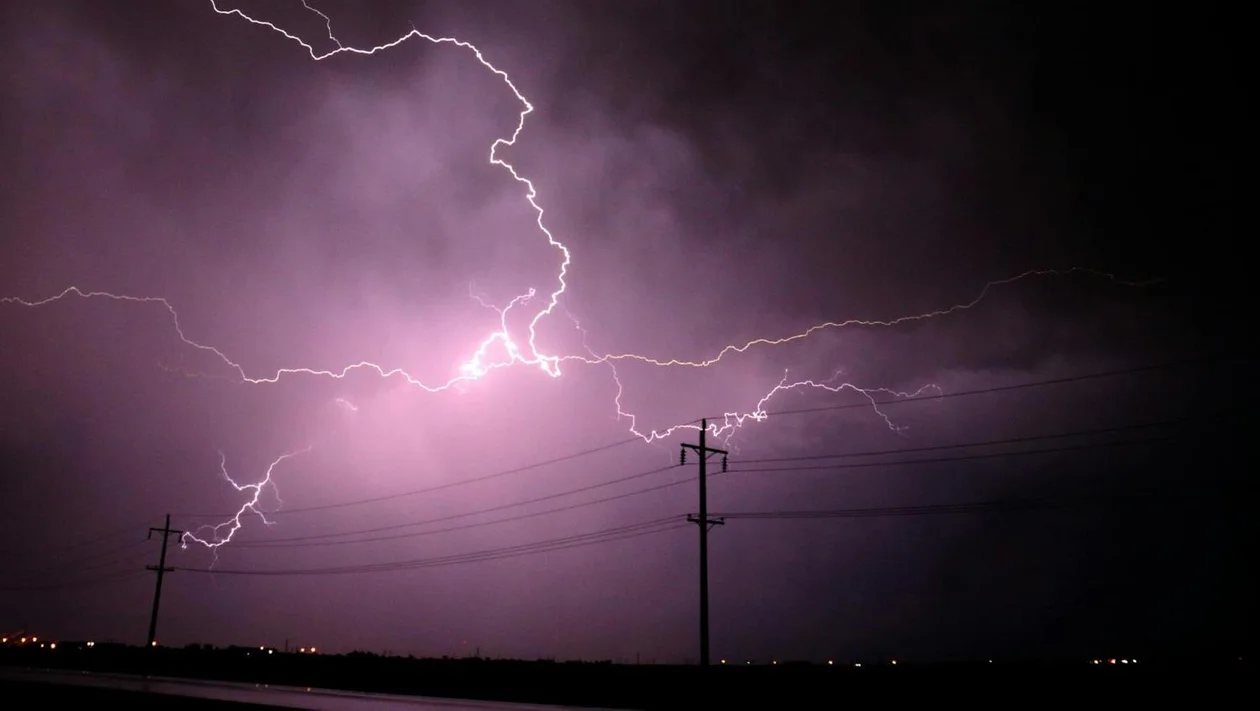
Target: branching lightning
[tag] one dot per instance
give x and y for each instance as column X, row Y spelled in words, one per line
column 476, row 366
column 481, row 362
column 732, row 420
column 217, row 535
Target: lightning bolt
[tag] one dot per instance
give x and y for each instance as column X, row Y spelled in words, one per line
column 481, row 362
column 217, row 535
column 476, row 366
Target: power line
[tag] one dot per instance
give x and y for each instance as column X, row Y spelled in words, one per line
column 997, row 389
column 662, row 525
column 623, row 532
column 619, row 443
column 521, row 517
column 321, row 539
column 439, row 487
column 937, row 460
column 993, row 506
column 452, row 517
column 992, row 442
column 672, row 523
column 575, row 541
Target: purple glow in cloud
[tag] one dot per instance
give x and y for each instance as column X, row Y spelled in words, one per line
column 482, row 362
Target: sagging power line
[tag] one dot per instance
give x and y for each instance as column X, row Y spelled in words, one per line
column 963, row 458
column 452, row 517
column 677, row 522
column 447, row 485
column 995, row 442
column 480, row 524
column 325, row 539
column 630, row 440
column 979, row 507
column 102, row 559
column 601, row 536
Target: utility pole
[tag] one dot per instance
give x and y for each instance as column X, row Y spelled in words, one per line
column 704, row 523
column 161, row 569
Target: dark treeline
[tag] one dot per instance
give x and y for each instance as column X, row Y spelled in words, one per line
column 607, row 685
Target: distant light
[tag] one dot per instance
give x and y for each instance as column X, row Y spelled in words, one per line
column 1112, row 661
column 260, row 649
column 53, row 645
column 4, row 640
column 990, row 661
column 775, row 662
column 23, row 640
column 91, row 644
column 153, row 643
column 302, row 650
column 723, row 661
column 41, row 646
column 270, row 651
column 1124, row 661
column 829, row 662
column 312, row 650
column 34, row 640
column 858, row 664
column 894, row 661
column 1095, row 661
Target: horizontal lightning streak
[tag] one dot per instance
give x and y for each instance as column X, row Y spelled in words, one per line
column 829, row 325
column 474, row 369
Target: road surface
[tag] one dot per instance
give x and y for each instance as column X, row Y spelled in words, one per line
column 263, row 694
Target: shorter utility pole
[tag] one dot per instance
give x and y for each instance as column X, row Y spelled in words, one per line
column 161, row 569
column 704, row 523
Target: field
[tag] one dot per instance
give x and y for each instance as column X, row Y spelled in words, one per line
column 653, row 686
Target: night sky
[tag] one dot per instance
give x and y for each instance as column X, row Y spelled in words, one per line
column 718, row 173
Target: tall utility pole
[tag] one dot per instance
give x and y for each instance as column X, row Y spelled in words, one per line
column 161, row 569
column 703, row 522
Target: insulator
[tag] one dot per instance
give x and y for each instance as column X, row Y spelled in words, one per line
column 682, row 456
column 723, row 462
